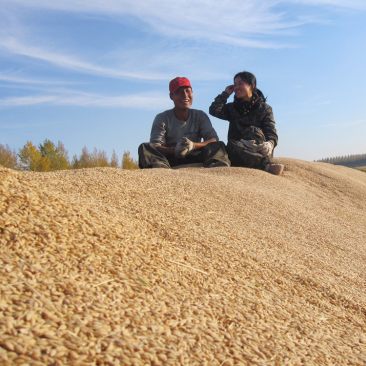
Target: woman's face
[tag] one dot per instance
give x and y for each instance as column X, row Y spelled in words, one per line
column 242, row 90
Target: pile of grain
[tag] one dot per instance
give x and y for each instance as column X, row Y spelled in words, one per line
column 192, row 266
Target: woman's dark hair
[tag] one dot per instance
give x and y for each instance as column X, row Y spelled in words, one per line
column 248, row 77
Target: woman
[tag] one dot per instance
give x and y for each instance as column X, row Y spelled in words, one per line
column 252, row 133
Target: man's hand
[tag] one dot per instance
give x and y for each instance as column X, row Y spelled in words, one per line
column 229, row 89
column 184, row 147
column 266, row 148
column 250, row 145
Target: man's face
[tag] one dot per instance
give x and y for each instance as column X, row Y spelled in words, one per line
column 182, row 97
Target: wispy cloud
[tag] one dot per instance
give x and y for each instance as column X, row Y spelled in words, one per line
column 232, row 22
column 139, row 63
column 12, row 126
column 351, row 4
column 143, row 101
column 324, row 103
column 235, row 22
column 347, row 124
column 198, row 18
column 14, row 78
column 14, row 46
column 199, row 21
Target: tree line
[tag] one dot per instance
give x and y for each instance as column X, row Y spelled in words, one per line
column 349, row 160
column 49, row 157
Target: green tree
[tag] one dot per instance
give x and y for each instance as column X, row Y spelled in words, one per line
column 31, row 159
column 8, row 158
column 128, row 162
column 75, row 164
column 57, row 155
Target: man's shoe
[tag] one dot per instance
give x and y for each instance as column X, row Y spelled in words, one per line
column 275, row 169
column 217, row 164
column 160, row 164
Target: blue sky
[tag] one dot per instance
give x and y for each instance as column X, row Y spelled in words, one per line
column 95, row 73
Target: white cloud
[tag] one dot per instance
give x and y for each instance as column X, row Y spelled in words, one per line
column 141, row 63
column 195, row 18
column 200, row 21
column 14, row 46
column 351, row 4
column 347, row 124
column 234, row 22
column 142, row 101
column 14, row 78
column 249, row 23
column 12, row 126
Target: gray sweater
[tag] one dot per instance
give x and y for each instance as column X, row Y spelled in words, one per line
column 167, row 130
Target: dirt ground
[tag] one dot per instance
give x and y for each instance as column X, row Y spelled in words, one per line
column 362, row 168
column 222, row 266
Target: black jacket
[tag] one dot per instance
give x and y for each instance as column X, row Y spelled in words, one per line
column 259, row 116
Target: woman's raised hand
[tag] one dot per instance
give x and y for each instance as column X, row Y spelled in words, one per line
column 229, row 89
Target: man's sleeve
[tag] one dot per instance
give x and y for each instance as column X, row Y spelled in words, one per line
column 206, row 130
column 158, row 131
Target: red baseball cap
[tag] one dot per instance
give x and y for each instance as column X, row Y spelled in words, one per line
column 177, row 83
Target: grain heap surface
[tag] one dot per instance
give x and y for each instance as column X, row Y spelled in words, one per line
column 192, row 266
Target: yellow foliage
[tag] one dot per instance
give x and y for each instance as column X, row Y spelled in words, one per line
column 128, row 162
column 31, row 159
column 49, row 157
column 98, row 158
column 83, row 161
column 8, row 158
column 114, row 160
column 58, row 156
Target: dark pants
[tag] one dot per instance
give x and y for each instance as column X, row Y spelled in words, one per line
column 211, row 153
column 239, row 155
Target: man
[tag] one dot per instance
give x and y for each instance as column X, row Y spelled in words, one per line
column 176, row 135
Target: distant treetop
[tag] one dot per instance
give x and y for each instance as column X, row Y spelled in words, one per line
column 350, row 161
column 50, row 157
